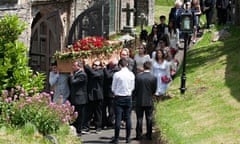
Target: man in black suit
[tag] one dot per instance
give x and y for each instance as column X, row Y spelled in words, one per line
column 175, row 13
column 145, row 87
column 108, row 115
column 207, row 7
column 222, row 11
column 95, row 95
column 78, row 92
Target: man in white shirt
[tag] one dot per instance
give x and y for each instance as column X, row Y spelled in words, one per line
column 122, row 87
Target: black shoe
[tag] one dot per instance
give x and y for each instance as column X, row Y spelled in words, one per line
column 114, row 141
column 85, row 131
column 138, row 138
column 98, row 131
column 128, row 140
column 79, row 134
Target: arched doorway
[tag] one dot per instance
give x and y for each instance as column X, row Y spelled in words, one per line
column 45, row 40
column 92, row 22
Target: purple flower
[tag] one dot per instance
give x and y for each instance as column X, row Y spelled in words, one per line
column 5, row 93
column 75, row 115
column 22, row 95
column 28, row 99
column 18, row 87
column 15, row 97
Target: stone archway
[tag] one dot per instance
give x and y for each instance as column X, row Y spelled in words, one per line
column 45, row 40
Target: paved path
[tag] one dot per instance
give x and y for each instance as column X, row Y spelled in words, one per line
column 106, row 135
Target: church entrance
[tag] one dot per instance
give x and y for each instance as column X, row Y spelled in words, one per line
column 45, row 40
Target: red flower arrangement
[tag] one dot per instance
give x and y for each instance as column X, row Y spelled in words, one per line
column 87, row 46
column 90, row 43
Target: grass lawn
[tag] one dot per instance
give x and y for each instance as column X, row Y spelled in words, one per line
column 29, row 135
column 208, row 112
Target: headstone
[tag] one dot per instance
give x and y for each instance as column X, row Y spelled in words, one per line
column 143, row 20
column 128, row 28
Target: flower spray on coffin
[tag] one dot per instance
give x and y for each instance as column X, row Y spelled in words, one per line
column 90, row 48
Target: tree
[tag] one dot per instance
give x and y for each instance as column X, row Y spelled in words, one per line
column 13, row 57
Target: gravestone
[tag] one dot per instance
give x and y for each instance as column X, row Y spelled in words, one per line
column 143, row 20
column 128, row 28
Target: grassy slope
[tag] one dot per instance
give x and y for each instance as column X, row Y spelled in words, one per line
column 209, row 110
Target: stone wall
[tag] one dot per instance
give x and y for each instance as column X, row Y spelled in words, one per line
column 23, row 11
column 27, row 10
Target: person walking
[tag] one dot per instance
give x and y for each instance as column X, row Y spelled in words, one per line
column 108, row 115
column 78, row 93
column 161, row 70
column 145, row 87
column 95, row 96
column 207, row 7
column 122, row 87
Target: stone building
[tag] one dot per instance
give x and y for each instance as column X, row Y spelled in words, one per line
column 53, row 24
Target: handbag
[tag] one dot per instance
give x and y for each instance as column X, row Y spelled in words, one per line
column 165, row 79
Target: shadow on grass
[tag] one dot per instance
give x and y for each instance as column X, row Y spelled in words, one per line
column 212, row 52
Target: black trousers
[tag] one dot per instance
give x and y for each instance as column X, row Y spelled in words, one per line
column 108, row 115
column 148, row 110
column 93, row 110
column 222, row 16
column 209, row 16
column 78, row 123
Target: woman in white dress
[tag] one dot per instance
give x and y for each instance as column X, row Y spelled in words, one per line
column 161, row 70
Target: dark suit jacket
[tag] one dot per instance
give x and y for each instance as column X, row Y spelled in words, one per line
column 132, row 66
column 176, row 16
column 161, row 30
column 145, row 87
column 95, row 83
column 78, row 88
column 222, row 4
column 108, row 77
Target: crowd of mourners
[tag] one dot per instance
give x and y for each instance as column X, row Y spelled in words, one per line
column 104, row 95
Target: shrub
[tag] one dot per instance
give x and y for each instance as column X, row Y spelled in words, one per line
column 19, row 109
column 13, row 57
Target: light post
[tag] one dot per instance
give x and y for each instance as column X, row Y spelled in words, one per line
column 186, row 28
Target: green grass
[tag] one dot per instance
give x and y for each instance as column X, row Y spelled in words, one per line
column 29, row 135
column 208, row 112
column 164, row 2
column 161, row 10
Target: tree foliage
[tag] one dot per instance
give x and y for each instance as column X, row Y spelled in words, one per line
column 13, row 57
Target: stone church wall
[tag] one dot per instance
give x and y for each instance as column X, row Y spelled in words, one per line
column 23, row 12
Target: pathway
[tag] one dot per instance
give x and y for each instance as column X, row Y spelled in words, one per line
column 106, row 135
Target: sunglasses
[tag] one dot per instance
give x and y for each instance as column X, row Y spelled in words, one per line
column 96, row 65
